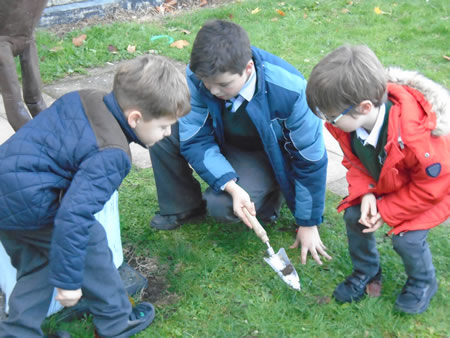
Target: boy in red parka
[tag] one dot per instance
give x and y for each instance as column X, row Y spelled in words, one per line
column 394, row 129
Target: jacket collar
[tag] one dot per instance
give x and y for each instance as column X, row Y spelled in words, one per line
column 114, row 108
column 437, row 96
column 259, row 71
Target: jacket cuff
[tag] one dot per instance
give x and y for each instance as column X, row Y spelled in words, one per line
column 64, row 286
column 224, row 179
column 309, row 222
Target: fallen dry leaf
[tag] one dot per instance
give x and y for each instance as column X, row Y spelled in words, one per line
column 256, row 10
column 446, row 57
column 112, row 49
column 322, row 300
column 131, row 49
column 373, row 289
column 378, row 11
column 78, row 41
column 56, row 49
column 274, row 19
column 279, row 11
column 160, row 9
column 203, row 3
column 180, row 44
column 345, row 10
column 168, row 8
column 305, row 16
column 171, row 2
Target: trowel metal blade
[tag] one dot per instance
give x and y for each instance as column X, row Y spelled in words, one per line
column 281, row 264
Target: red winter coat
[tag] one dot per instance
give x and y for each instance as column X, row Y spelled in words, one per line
column 413, row 189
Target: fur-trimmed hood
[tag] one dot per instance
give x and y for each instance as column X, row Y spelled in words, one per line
column 437, row 95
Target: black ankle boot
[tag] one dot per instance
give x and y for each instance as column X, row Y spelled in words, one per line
column 421, row 284
column 354, row 287
column 415, row 296
column 171, row 222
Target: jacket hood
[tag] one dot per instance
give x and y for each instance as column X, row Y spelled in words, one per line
column 437, row 95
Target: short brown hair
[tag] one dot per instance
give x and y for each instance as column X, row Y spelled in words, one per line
column 346, row 77
column 219, row 47
column 154, row 86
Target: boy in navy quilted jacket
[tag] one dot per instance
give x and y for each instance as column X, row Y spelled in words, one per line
column 57, row 172
column 250, row 135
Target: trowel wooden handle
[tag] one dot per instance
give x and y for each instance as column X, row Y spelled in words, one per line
column 256, row 226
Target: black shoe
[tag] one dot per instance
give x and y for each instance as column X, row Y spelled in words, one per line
column 132, row 280
column 354, row 287
column 270, row 220
column 415, row 296
column 141, row 316
column 171, row 222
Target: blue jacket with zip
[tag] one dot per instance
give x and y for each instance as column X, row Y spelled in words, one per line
column 59, row 170
column 291, row 135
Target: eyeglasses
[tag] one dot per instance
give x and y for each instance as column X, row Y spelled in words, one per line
column 337, row 118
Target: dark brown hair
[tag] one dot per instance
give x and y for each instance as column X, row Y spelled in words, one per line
column 219, row 47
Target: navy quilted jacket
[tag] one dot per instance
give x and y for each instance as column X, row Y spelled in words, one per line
column 59, row 170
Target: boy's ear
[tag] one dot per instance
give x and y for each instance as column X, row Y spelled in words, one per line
column 249, row 67
column 134, row 117
column 365, row 107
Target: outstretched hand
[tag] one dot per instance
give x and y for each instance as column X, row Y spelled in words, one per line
column 309, row 239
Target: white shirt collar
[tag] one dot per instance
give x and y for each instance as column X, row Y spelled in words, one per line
column 247, row 92
column 372, row 138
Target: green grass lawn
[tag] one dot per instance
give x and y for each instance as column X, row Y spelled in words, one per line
column 413, row 34
column 211, row 278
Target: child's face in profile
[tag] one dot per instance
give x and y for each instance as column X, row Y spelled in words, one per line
column 151, row 131
column 343, row 120
column 226, row 85
column 353, row 117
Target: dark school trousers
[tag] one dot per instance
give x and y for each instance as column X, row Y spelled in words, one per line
column 30, row 299
column 411, row 246
column 178, row 191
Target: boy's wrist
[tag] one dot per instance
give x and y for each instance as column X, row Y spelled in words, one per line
column 224, row 187
column 231, row 186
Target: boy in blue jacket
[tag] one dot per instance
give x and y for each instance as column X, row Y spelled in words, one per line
column 57, row 172
column 250, row 135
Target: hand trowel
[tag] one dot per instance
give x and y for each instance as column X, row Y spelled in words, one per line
column 279, row 261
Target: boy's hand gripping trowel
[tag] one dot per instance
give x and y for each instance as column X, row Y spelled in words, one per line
column 279, row 261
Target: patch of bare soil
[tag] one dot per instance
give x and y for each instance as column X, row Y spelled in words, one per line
column 157, row 291
column 115, row 13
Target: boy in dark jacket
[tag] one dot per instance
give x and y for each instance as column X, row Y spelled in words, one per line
column 394, row 129
column 250, row 135
column 57, row 172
